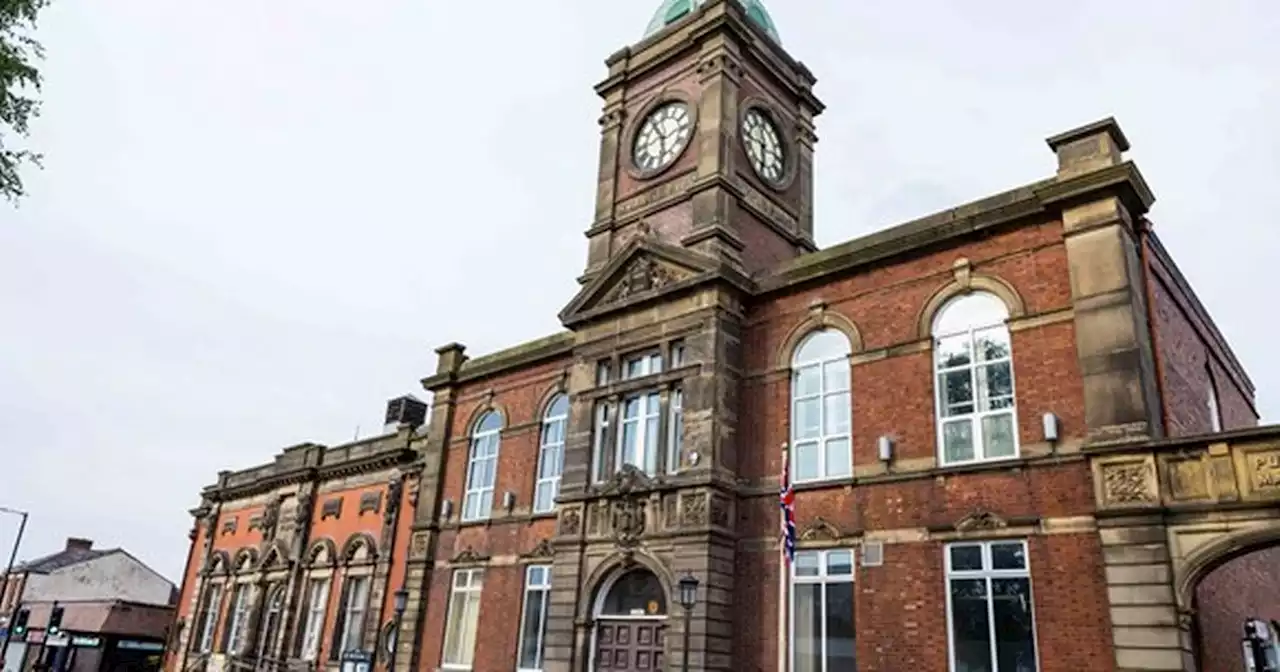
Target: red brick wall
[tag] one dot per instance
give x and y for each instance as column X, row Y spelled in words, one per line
column 1188, row 350
column 1246, row 587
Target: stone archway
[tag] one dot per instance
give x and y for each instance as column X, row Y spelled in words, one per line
column 1169, row 514
column 630, row 615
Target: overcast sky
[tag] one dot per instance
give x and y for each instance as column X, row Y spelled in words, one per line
column 259, row 218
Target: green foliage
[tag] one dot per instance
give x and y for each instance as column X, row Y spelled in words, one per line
column 19, row 81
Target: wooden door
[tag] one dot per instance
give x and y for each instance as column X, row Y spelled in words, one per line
column 630, row 645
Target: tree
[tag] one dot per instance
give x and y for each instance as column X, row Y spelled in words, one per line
column 19, row 81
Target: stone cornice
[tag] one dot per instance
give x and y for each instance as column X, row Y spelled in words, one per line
column 1045, row 199
column 525, row 354
column 273, row 476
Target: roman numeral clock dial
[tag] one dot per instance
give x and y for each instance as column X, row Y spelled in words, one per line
column 763, row 143
column 662, row 136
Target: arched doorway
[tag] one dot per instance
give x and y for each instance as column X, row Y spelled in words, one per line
column 630, row 623
column 1231, row 581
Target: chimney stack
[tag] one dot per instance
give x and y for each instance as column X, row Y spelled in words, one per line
column 79, row 544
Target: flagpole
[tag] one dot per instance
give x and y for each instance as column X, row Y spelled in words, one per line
column 783, row 570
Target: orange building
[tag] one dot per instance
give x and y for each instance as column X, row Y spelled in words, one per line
column 1016, row 438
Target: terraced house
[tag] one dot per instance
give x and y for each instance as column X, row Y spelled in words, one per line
column 1017, row 440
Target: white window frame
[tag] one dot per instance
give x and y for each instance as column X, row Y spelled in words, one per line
column 640, row 366
column 239, row 617
column 976, row 417
column 648, row 407
column 675, row 428
column 269, row 632
column 824, row 579
column 551, row 448
column 482, row 493
column 988, row 574
column 212, row 613
column 529, row 588
column 354, row 611
column 600, row 439
column 798, row 365
column 317, row 608
column 467, row 585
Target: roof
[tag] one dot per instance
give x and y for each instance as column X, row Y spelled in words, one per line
column 63, row 558
column 671, row 11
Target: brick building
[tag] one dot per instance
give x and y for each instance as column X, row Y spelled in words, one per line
column 1017, row 439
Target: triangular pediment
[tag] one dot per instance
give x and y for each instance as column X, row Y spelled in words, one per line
column 644, row 269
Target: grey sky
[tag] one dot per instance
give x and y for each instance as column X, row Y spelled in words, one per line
column 258, row 218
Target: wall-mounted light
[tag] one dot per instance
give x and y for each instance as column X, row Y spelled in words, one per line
column 1050, row 427
column 446, row 509
column 884, row 446
column 508, row 500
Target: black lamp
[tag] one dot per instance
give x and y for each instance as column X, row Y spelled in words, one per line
column 688, row 591
column 688, row 598
column 399, row 601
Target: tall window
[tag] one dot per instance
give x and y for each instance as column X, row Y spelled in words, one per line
column 675, row 429
column 638, row 431
column 989, row 607
column 355, row 603
column 533, row 623
column 271, row 625
column 239, row 618
column 973, row 363
column 482, row 467
column 551, row 454
column 209, row 617
column 822, row 611
column 317, row 600
column 463, row 618
column 821, row 411
column 599, row 439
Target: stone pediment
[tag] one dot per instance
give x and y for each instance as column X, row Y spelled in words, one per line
column 644, row 269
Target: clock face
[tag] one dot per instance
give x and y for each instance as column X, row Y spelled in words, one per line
column 662, row 135
column 764, row 146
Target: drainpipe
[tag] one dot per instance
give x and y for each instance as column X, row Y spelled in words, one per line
column 391, row 555
column 1144, row 232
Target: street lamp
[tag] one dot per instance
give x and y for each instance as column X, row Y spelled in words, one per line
column 688, row 598
column 398, row 603
column 13, row 557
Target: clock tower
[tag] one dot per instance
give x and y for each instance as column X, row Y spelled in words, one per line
column 706, row 141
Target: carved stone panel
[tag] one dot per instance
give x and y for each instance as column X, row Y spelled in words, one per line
column 570, row 522
column 719, row 511
column 1125, row 482
column 1263, row 472
column 418, row 545
column 693, row 507
column 1187, row 478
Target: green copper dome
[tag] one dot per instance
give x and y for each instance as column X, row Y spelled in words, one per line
column 674, row 10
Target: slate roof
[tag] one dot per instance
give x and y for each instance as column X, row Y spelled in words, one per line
column 64, row 558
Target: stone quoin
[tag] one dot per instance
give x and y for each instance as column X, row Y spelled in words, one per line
column 1017, row 439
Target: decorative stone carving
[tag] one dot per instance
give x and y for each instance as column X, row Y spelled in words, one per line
column 643, row 274
column 570, row 522
column 628, row 518
column 981, row 520
column 719, row 511
column 370, row 502
column 270, row 519
column 395, row 490
column 670, row 512
column 627, row 480
column 694, row 510
column 1187, row 478
column 468, row 556
column 302, row 511
column 418, row 545
column 1126, row 483
column 209, row 521
column 819, row 529
column 1264, row 471
column 331, row 508
column 544, row 549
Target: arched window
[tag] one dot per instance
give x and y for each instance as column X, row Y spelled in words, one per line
column 821, row 411
column 636, row 593
column 551, row 454
column 482, row 467
column 973, row 366
column 271, row 622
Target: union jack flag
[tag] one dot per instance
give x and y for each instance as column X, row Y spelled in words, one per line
column 787, row 501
